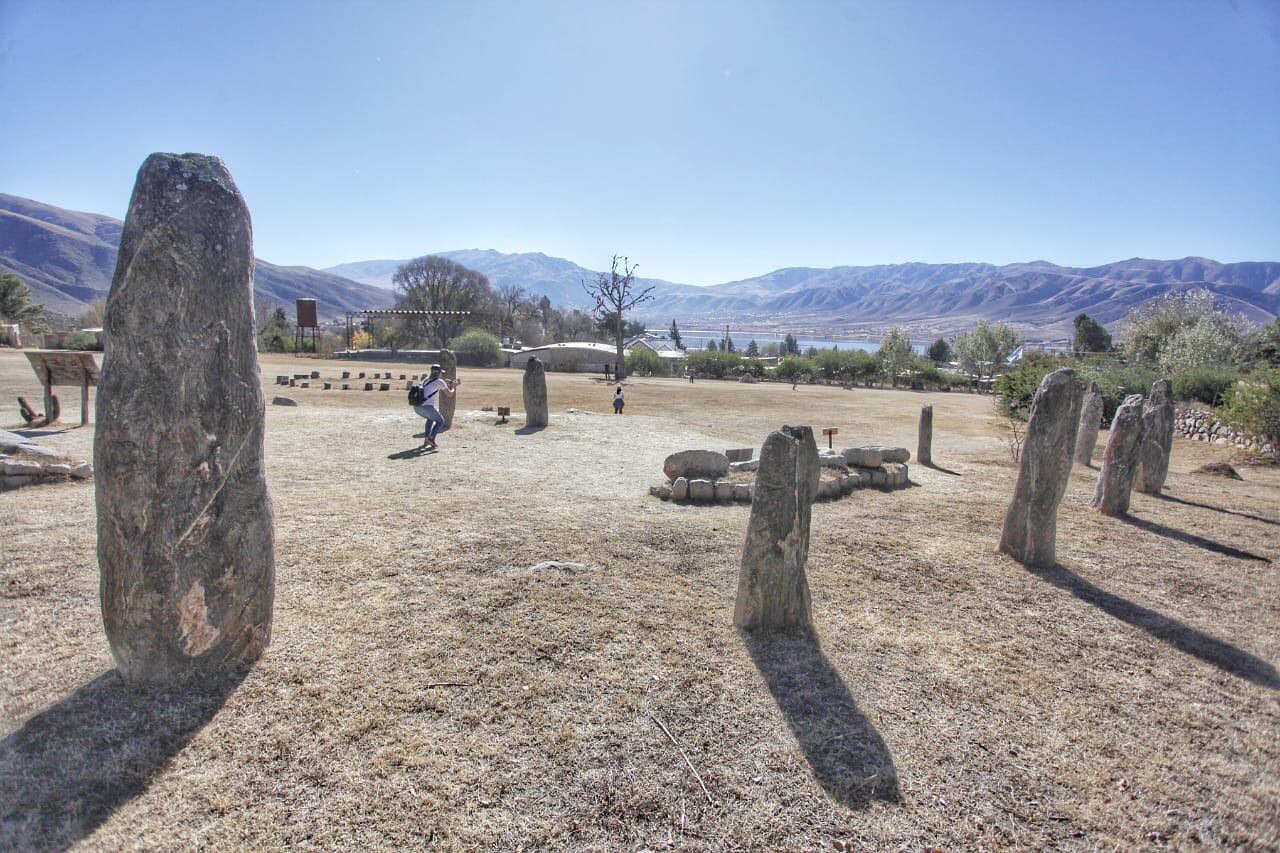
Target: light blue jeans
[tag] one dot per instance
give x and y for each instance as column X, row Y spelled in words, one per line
column 434, row 419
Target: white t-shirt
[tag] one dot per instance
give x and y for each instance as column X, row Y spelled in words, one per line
column 431, row 391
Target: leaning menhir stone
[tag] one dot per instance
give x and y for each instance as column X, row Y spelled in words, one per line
column 535, row 394
column 1120, row 458
column 448, row 370
column 773, row 592
column 185, row 529
column 924, row 446
column 1031, row 523
column 1090, row 421
column 1157, row 438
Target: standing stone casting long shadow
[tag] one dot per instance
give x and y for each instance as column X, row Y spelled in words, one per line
column 1191, row 539
column 1182, row 637
column 848, row 757
column 68, row 768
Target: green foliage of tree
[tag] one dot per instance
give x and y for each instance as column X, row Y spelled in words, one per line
column 642, row 361
column 1212, row 341
column 985, row 351
column 754, row 366
column 895, row 354
column 675, row 336
column 478, row 348
column 1116, row 381
column 276, row 335
column 1015, row 388
column 1153, row 326
column 794, row 368
column 1090, row 335
column 18, row 306
column 83, row 341
column 714, row 364
column 1261, row 348
column 1253, row 405
column 939, row 352
column 790, row 346
column 753, row 349
column 1206, row 385
column 712, row 346
column 728, row 344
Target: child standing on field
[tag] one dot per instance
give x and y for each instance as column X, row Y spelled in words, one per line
column 618, row 402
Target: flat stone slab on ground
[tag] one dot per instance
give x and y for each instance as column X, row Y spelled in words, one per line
column 696, row 463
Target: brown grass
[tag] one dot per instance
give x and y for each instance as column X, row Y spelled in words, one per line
column 1127, row 698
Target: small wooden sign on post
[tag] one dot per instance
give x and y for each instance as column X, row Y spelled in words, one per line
column 829, row 432
column 504, row 412
column 65, row 367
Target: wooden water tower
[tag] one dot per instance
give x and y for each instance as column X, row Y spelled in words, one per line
column 308, row 321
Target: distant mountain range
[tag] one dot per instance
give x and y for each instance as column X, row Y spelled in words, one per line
column 68, row 258
column 929, row 299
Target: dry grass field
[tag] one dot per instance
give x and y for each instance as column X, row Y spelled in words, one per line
column 425, row 687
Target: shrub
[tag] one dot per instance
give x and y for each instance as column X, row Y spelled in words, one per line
column 83, row 341
column 1014, row 390
column 645, row 362
column 477, row 348
column 1253, row 405
column 1116, row 381
column 713, row 363
column 754, row 366
column 1206, row 385
column 793, row 368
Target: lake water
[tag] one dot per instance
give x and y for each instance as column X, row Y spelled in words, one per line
column 700, row 337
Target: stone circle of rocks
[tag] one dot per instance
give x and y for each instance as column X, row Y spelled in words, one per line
column 697, row 476
column 25, row 463
column 1199, row 425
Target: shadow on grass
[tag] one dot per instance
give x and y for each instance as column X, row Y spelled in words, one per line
column 933, row 467
column 529, row 430
column 1220, row 509
column 1190, row 538
column 72, row 765
column 1186, row 639
column 413, row 452
column 848, row 757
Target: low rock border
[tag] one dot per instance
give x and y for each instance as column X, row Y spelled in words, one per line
column 888, row 477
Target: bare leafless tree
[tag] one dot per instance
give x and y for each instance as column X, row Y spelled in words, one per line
column 512, row 299
column 613, row 295
column 433, row 283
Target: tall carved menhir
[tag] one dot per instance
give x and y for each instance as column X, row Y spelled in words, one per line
column 535, row 395
column 448, row 370
column 1031, row 523
column 1090, row 422
column 185, row 528
column 924, row 446
column 773, row 592
column 1157, row 438
column 1120, row 459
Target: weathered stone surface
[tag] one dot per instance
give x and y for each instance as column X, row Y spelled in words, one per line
column 536, row 412
column 58, row 469
column 1031, row 522
column 82, row 471
column 924, row 438
column 1090, row 423
column 696, row 463
column 773, row 592
column 9, row 441
column 895, row 475
column 740, row 454
column 1157, row 438
column 702, row 490
column 185, row 528
column 17, row 482
column 1120, row 459
column 749, row 465
column 23, row 468
column 864, row 457
column 742, row 492
column 663, row 491
column 283, row 401
column 724, row 491
column 832, row 459
column 679, row 489
column 448, row 370
column 895, row 454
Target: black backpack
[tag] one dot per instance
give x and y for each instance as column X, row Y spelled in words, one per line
column 415, row 395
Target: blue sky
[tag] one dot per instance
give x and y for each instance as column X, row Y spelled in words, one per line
column 708, row 141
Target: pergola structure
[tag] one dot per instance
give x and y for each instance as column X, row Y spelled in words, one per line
column 396, row 313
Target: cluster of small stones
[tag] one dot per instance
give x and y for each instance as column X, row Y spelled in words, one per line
column 1199, row 425
column 23, row 463
column 694, row 475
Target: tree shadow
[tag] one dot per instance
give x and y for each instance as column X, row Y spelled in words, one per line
column 1190, row 538
column 847, row 755
column 413, row 452
column 529, row 430
column 1220, row 509
column 934, row 467
column 68, row 768
column 1188, row 640
column 39, row 432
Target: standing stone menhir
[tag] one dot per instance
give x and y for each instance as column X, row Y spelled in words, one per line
column 535, row 394
column 1090, row 422
column 1157, row 438
column 924, row 447
column 449, row 370
column 773, row 592
column 1120, row 459
column 1031, row 523
column 185, row 530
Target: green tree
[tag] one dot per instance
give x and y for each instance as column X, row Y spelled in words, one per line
column 728, row 344
column 477, row 347
column 17, row 305
column 642, row 361
column 939, row 352
column 790, row 346
column 1253, row 405
column 794, row 368
column 753, row 349
column 1212, row 341
column 675, row 336
column 276, row 335
column 712, row 363
column 985, row 351
column 1090, row 336
column 712, row 346
column 1151, row 326
column 1262, row 347
column 895, row 354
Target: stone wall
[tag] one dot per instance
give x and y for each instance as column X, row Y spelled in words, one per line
column 1200, row 425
